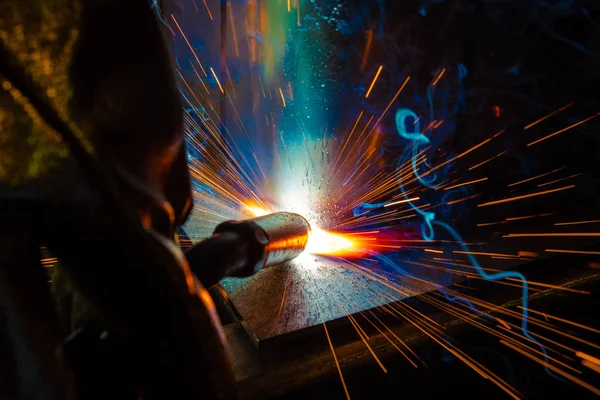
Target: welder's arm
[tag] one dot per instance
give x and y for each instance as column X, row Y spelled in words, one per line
column 241, row 248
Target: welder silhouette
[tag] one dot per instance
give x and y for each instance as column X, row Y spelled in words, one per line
column 93, row 171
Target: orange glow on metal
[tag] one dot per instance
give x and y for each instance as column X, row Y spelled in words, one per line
column 464, row 153
column 528, row 216
column 327, row 243
column 401, row 202
column 233, row 32
column 585, row 356
column 559, row 180
column 390, row 103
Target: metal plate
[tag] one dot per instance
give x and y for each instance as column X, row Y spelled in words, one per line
column 305, row 293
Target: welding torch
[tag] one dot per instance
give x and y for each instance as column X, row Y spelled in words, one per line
column 242, row 248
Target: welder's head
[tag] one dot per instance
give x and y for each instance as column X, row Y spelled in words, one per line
column 125, row 95
column 112, row 77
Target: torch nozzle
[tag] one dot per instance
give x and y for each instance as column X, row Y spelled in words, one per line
column 241, row 248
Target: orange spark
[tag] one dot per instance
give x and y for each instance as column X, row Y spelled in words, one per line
column 486, row 161
column 217, row 79
column 553, row 368
column 282, row 97
column 461, row 200
column 564, row 129
column 535, row 177
column 559, row 180
column 374, row 80
column 578, row 222
column 591, row 365
column 491, row 223
column 527, row 254
column 466, row 183
column 401, row 202
column 577, row 234
column 595, row 253
column 367, row 49
column 524, row 196
column 189, row 45
column 390, row 103
column 287, row 281
column 548, row 116
column 503, row 323
column 337, row 364
column 208, row 10
column 439, row 77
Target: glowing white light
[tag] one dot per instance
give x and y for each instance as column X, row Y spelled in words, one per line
column 323, row 242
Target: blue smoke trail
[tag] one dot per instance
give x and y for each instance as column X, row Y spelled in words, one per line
column 417, row 142
column 428, row 233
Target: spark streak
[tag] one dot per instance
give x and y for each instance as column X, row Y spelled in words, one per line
column 465, row 183
column 189, row 45
column 564, row 130
column 439, row 77
column 526, row 196
column 580, row 234
column 282, row 97
column 217, row 79
column 208, row 10
column 577, row 222
column 573, row 251
column 358, row 210
column 548, row 116
column 373, row 83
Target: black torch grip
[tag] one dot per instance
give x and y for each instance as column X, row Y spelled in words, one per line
column 222, row 254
